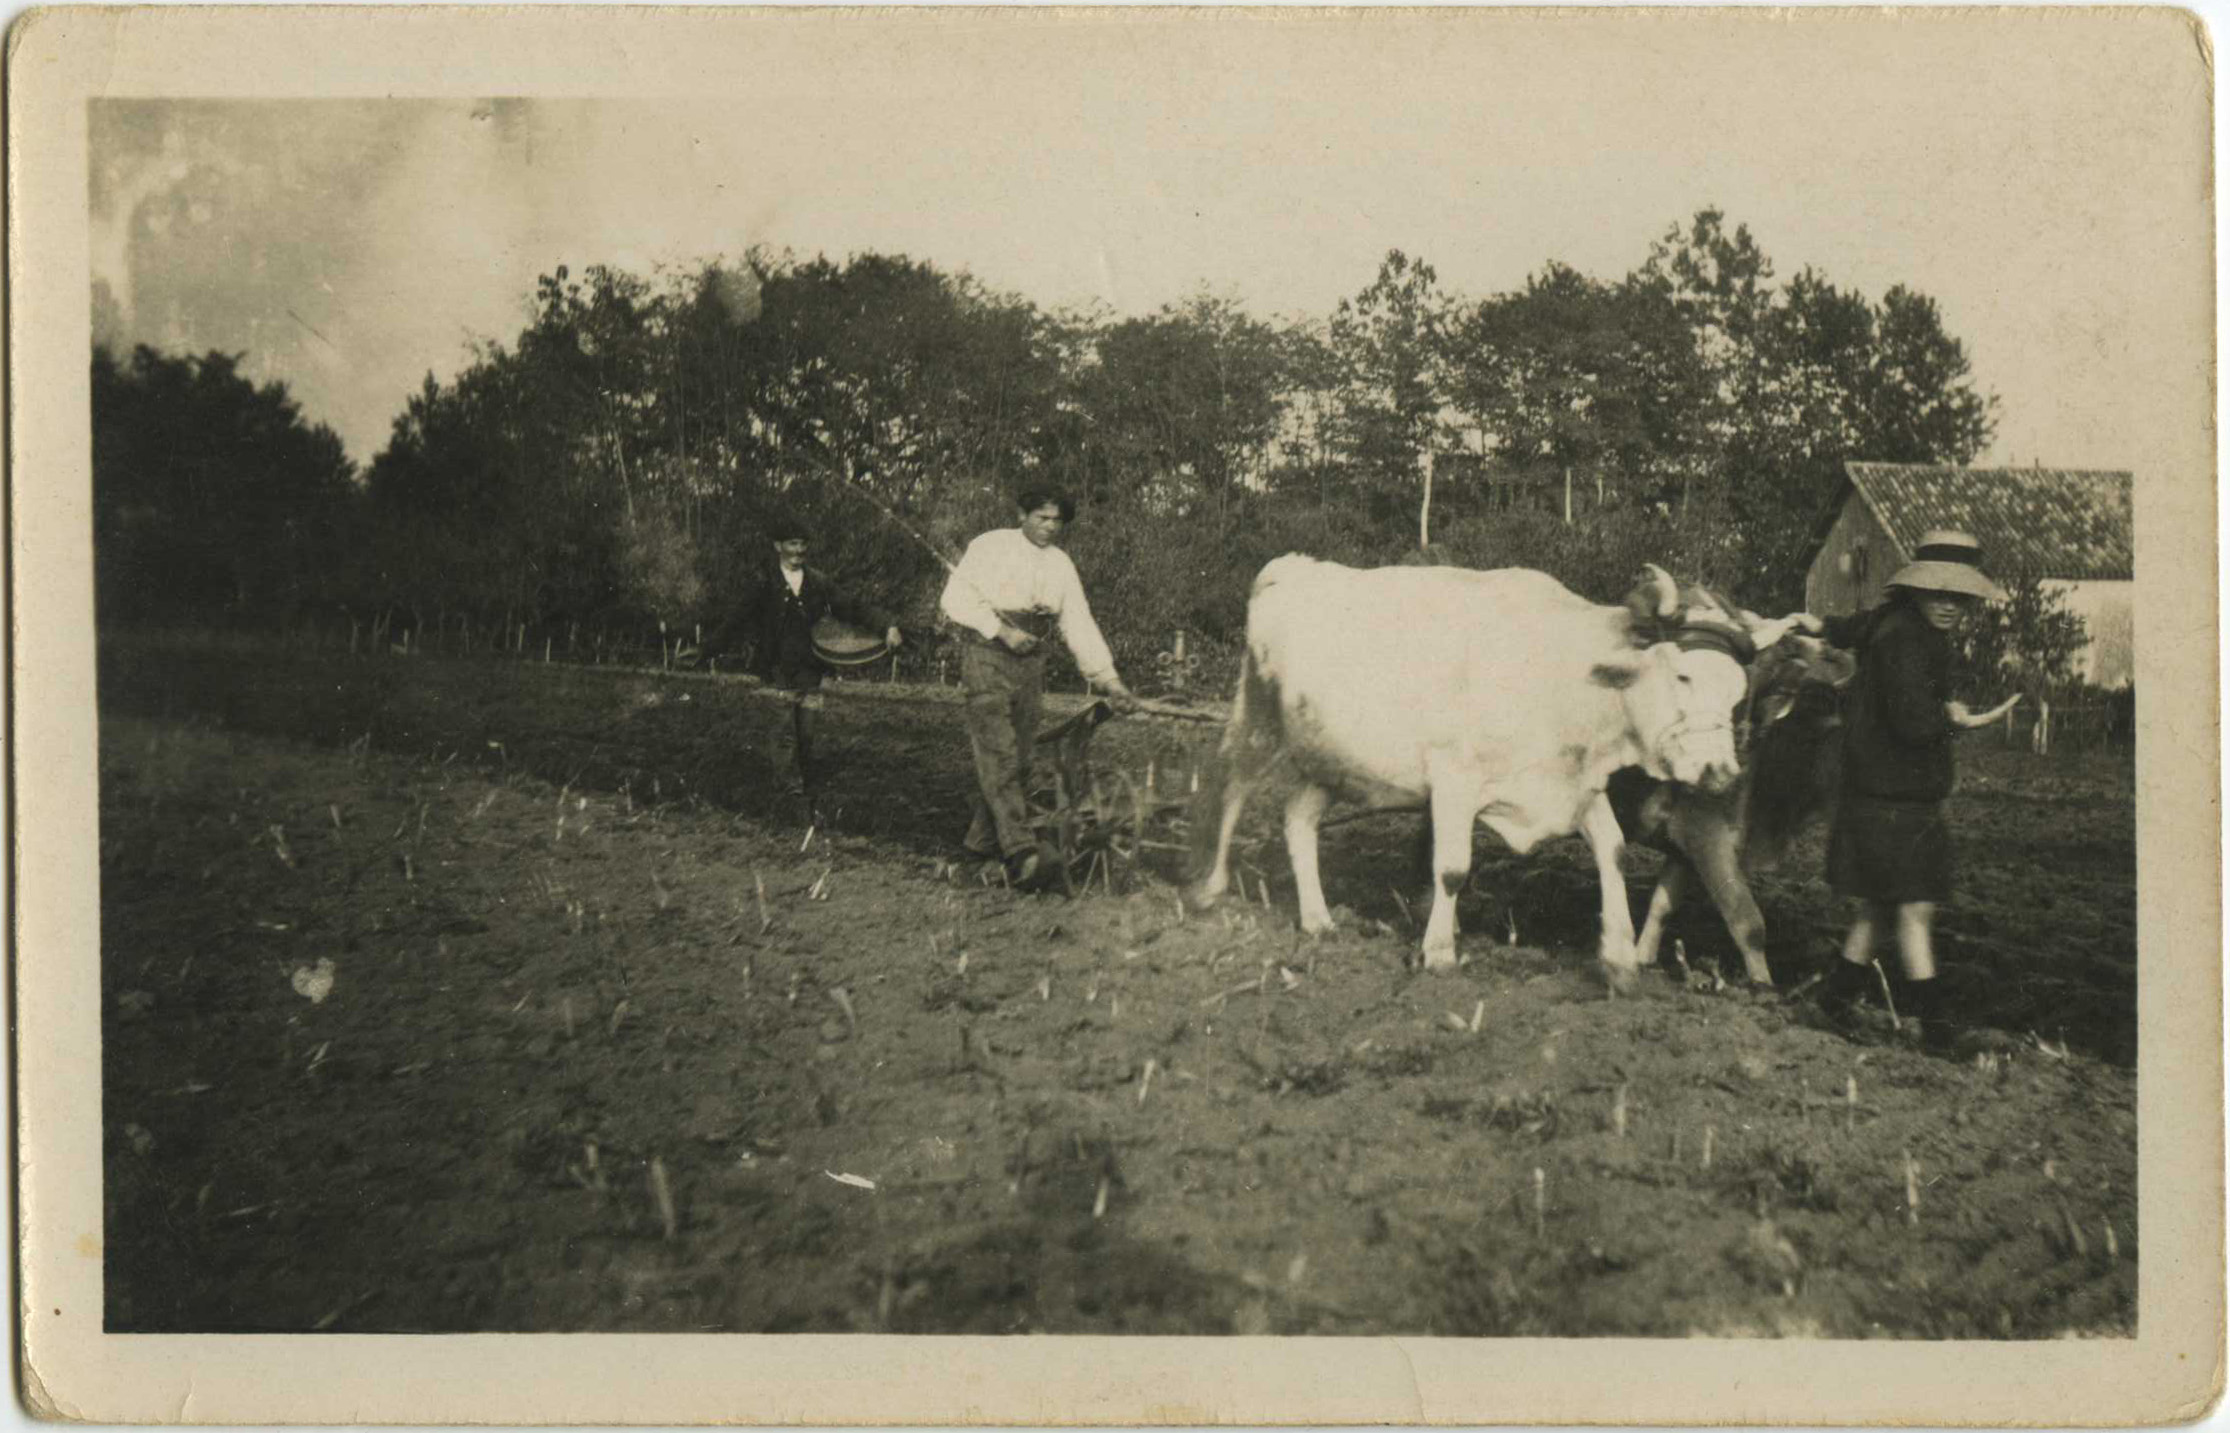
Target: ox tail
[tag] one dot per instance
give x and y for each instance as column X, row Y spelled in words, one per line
column 1206, row 820
column 1249, row 740
column 1215, row 776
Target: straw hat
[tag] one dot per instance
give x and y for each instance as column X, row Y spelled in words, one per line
column 1947, row 560
column 841, row 645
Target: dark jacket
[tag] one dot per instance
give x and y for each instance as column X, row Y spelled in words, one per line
column 778, row 624
column 1896, row 737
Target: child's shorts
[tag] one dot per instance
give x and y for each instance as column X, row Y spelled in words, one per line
column 1894, row 852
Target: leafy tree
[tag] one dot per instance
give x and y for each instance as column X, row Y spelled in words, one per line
column 1800, row 413
column 1804, row 378
column 1600, row 556
column 890, row 368
column 887, row 398
column 659, row 564
column 2027, row 642
column 1388, row 344
column 211, row 495
column 1722, row 284
column 619, row 460
column 1189, row 396
column 1572, row 373
column 1304, row 462
column 482, row 505
column 1919, row 405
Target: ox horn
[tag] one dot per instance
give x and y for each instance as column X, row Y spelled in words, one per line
column 1766, row 632
column 1661, row 587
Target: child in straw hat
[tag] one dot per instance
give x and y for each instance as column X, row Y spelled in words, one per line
column 1890, row 847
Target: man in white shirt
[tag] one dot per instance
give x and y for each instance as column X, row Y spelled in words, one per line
column 1012, row 589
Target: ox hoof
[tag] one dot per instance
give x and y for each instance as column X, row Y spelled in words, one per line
column 1440, row 961
column 1620, row 978
column 1199, row 898
column 1318, row 925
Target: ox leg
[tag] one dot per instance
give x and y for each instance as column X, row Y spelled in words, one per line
column 1303, row 809
column 1672, row 889
column 1608, row 843
column 1721, row 869
column 1452, row 819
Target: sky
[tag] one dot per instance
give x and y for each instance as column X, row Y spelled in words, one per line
column 2029, row 178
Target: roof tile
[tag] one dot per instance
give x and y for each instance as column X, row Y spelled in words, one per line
column 2069, row 523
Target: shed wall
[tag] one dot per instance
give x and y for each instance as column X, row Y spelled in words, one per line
column 1848, row 571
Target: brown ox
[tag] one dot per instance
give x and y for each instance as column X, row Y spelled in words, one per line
column 1788, row 778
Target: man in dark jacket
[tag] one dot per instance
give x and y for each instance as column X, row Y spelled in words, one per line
column 777, row 618
column 1890, row 847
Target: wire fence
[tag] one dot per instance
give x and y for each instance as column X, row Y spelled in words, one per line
column 1180, row 665
column 928, row 663
column 2091, row 722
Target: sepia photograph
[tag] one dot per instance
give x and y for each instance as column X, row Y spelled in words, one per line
column 1281, row 680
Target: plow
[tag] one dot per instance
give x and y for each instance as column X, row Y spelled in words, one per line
column 1102, row 826
column 1099, row 825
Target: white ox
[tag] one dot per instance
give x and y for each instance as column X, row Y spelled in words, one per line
column 1501, row 696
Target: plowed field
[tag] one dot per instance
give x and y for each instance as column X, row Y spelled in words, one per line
column 446, row 996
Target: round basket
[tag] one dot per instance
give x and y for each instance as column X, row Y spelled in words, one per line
column 842, row 645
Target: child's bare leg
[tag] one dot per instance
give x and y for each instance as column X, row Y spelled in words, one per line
column 1915, row 945
column 1865, row 932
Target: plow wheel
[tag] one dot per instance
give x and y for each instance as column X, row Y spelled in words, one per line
column 1099, row 828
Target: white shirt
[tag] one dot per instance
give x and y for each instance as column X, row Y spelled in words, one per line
column 1003, row 571
column 796, row 580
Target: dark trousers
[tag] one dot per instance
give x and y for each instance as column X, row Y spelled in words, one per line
column 1003, row 697
column 804, row 681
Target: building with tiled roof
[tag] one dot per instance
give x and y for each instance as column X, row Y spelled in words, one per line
column 2069, row 528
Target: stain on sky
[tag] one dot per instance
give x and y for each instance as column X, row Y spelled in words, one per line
column 341, row 245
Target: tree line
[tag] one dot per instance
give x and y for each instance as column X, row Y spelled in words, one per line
column 614, row 464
